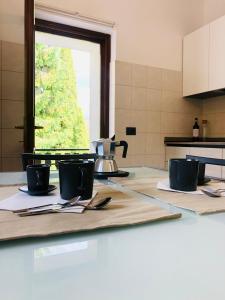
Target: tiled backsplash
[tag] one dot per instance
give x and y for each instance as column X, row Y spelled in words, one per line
column 214, row 112
column 150, row 99
column 147, row 98
column 11, row 104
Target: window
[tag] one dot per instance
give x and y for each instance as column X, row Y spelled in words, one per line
column 67, row 92
column 99, row 111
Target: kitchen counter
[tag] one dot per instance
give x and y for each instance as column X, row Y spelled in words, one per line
column 192, row 142
column 180, row 259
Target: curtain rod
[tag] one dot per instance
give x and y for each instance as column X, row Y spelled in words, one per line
column 73, row 15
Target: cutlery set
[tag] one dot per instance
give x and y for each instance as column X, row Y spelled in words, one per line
column 54, row 208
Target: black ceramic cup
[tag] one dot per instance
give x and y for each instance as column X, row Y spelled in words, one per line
column 76, row 178
column 38, row 178
column 183, row 174
column 201, row 174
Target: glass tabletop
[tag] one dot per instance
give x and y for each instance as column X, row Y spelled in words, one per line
column 131, row 262
column 17, row 178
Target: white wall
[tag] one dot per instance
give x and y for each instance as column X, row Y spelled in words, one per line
column 149, row 32
column 12, row 21
column 213, row 9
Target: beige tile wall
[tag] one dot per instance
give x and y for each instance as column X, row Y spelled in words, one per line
column 11, row 105
column 150, row 99
column 147, row 98
column 214, row 112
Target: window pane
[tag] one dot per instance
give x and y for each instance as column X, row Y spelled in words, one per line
column 67, row 92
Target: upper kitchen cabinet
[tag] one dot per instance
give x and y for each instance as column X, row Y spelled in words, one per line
column 204, row 61
column 217, row 55
column 196, row 62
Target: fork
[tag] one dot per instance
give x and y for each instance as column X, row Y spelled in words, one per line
column 71, row 202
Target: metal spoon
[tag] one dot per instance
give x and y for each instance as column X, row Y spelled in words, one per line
column 213, row 193
column 99, row 205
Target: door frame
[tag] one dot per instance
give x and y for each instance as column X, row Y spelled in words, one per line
column 103, row 39
column 29, row 76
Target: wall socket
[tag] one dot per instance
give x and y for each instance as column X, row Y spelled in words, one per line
column 130, row 130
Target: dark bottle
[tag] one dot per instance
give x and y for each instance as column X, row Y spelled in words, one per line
column 196, row 129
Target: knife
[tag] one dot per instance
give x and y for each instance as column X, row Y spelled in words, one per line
column 71, row 202
column 38, row 212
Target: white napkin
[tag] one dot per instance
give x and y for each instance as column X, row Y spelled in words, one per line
column 22, row 200
column 164, row 185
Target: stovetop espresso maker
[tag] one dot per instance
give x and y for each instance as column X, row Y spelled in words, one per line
column 105, row 150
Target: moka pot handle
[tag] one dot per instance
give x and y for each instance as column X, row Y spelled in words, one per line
column 123, row 144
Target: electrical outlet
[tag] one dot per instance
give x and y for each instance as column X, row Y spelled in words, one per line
column 130, row 130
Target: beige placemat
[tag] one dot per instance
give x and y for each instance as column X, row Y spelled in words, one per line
column 123, row 210
column 201, row 204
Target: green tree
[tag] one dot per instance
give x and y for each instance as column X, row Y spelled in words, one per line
column 56, row 106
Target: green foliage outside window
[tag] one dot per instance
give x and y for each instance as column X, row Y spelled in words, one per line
column 56, row 105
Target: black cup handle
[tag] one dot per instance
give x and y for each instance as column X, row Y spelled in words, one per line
column 83, row 172
column 125, row 147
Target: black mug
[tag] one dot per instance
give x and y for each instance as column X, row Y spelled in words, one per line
column 201, row 174
column 76, row 178
column 183, row 174
column 38, row 178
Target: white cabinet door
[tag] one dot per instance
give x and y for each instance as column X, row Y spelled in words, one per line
column 196, row 62
column 211, row 170
column 217, row 54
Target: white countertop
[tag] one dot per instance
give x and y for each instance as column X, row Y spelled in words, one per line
column 181, row 259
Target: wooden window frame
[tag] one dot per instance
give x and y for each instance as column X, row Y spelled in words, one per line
column 103, row 39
